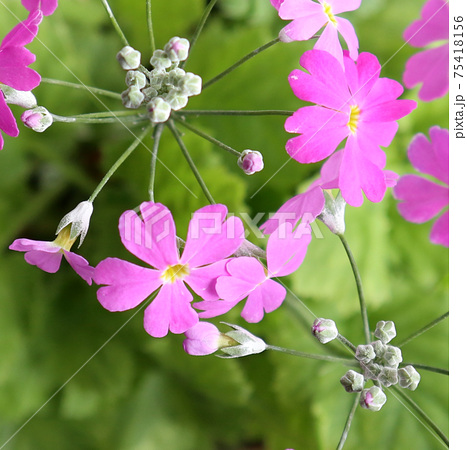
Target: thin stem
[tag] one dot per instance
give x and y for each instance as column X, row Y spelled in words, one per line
column 358, row 281
column 150, row 27
column 94, row 90
column 223, row 112
column 114, row 22
column 98, row 118
column 152, row 175
column 199, row 28
column 118, row 163
column 419, row 414
column 191, row 163
column 425, row 367
column 240, row 62
column 346, row 342
column 345, row 361
column 348, row 423
column 425, row 328
column 208, row 138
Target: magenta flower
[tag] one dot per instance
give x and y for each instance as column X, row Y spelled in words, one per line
column 309, row 17
column 14, row 70
column 355, row 104
column 429, row 67
column 247, row 277
column 48, row 255
column 421, row 198
column 153, row 240
column 46, row 6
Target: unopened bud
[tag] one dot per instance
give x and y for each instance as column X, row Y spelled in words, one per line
column 379, row 348
column 392, row 356
column 132, row 98
column 408, row 378
column 353, row 381
column 25, row 99
column 79, row 219
column 135, row 78
column 324, row 330
column 160, row 60
column 158, row 110
column 38, row 119
column 176, row 100
column 365, row 353
column 204, row 338
column 333, row 214
column 249, row 344
column 191, row 84
column 373, row 398
column 177, row 49
column 388, row 376
column 129, row 58
column 175, row 77
column 371, row 370
column 250, row 161
column 385, row 331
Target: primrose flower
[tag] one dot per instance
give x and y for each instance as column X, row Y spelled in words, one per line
column 247, row 277
column 421, row 198
column 14, row 70
column 308, row 17
column 429, row 67
column 47, row 7
column 355, row 104
column 152, row 238
column 48, row 255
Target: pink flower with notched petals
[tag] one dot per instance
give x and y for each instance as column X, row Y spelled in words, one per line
column 429, row 67
column 14, row 70
column 354, row 104
column 46, row 6
column 153, row 239
column 308, row 17
column 247, row 277
column 423, row 199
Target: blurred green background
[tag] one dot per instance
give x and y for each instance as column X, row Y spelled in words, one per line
column 79, row 377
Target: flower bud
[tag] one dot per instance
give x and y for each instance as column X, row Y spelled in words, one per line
column 385, row 331
column 25, row 99
column 160, row 60
column 135, row 78
column 379, row 348
column 158, row 110
column 79, row 219
column 175, row 77
column 177, row 49
column 250, row 161
column 365, row 353
column 176, row 100
column 388, row 376
column 408, row 378
column 38, row 119
column 204, row 339
column 129, row 58
column 324, row 330
column 191, row 84
column 132, row 98
column 371, row 370
column 373, row 398
column 249, row 343
column 353, row 381
column 392, row 356
column 333, row 213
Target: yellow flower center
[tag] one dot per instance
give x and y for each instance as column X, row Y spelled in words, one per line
column 328, row 11
column 63, row 239
column 354, row 117
column 175, row 272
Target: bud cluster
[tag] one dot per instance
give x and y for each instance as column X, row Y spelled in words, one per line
column 164, row 88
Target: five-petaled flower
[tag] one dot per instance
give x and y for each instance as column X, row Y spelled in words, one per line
column 153, row 240
column 421, row 198
column 355, row 104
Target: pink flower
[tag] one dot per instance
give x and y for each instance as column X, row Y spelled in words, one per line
column 247, row 276
column 355, row 104
column 48, row 255
column 153, row 239
column 421, row 198
column 309, row 17
column 46, row 6
column 14, row 70
column 251, row 161
column 429, row 67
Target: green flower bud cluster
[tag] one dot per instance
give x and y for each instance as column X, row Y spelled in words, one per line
column 380, row 363
column 164, row 88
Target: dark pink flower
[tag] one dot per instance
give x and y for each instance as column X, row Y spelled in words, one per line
column 355, row 104
column 153, row 240
column 429, row 67
column 14, row 70
column 421, row 198
column 46, row 6
column 247, row 277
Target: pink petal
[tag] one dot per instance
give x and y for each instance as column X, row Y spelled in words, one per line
column 389, row 111
column 80, row 266
column 292, row 9
column 13, row 70
column 286, row 249
column 440, row 231
column 127, row 284
column 46, row 6
column 7, row 120
column 276, row 3
column 383, row 91
column 170, row 310
column 24, row 245
column 330, row 171
column 23, row 33
column 361, row 75
column 209, row 238
column 347, row 31
column 421, row 198
column 203, row 279
column 372, row 135
column 214, row 308
column 329, row 42
column 46, row 261
column 201, row 339
column 339, row 6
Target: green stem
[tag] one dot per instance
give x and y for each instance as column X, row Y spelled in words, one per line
column 425, row 328
column 223, row 112
column 114, row 22
column 240, row 62
column 419, row 414
column 83, row 87
column 358, row 282
column 199, row 28
column 152, row 176
column 425, row 367
column 118, row 163
column 348, row 423
column 149, row 22
column 191, row 163
column 346, row 342
column 98, row 118
column 345, row 361
column 208, row 138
